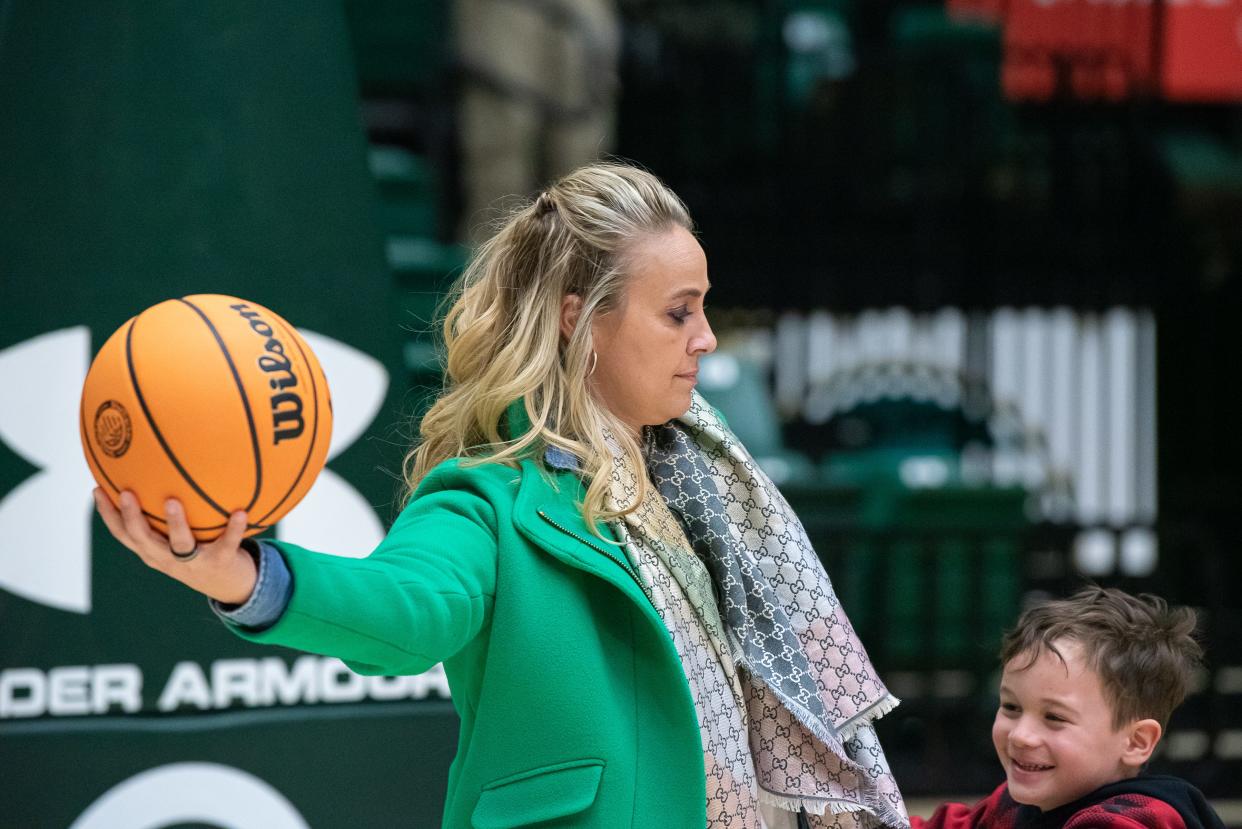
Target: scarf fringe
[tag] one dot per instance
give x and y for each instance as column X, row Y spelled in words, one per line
column 875, row 712
column 813, row 806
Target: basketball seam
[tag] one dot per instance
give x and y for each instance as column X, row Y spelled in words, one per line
column 90, row 447
column 241, row 389
column 142, row 402
column 310, row 450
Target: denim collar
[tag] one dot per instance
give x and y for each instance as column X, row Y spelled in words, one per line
column 558, row 458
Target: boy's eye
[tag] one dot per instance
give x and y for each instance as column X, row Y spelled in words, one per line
column 1054, row 718
column 1009, row 707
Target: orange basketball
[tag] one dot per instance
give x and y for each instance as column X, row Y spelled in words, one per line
column 212, row 400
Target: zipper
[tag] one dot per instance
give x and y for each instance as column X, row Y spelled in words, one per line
column 624, row 565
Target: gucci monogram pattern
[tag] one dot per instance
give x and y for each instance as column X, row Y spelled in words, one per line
column 761, row 634
column 680, row 589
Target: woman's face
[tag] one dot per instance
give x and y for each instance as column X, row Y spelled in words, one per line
column 649, row 346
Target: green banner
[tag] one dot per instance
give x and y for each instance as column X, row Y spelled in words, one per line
column 153, row 151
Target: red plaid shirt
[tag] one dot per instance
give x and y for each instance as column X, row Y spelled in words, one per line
column 1154, row 802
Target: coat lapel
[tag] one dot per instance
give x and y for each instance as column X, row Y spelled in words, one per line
column 553, row 521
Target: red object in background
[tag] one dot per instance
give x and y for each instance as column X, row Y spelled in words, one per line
column 1036, row 26
column 1031, row 80
column 1023, row 73
column 1110, row 49
column 1136, row 35
column 1038, row 37
column 1201, row 55
column 1086, row 47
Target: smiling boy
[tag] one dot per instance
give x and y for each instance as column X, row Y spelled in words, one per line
column 1087, row 688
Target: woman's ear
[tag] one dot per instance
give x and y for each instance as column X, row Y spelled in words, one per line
column 1141, row 741
column 571, row 307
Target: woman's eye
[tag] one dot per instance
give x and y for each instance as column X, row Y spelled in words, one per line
column 679, row 315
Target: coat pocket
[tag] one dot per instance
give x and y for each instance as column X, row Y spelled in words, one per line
column 541, row 794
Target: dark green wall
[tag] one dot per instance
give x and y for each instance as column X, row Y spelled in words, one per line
column 147, row 151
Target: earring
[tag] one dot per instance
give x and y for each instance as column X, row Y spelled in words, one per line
column 594, row 363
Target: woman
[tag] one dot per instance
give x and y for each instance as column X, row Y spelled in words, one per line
column 634, row 627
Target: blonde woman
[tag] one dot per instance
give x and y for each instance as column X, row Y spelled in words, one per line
column 634, row 627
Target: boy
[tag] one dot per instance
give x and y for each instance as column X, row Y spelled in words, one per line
column 1088, row 685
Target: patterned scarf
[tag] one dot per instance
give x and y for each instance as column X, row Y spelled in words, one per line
column 769, row 651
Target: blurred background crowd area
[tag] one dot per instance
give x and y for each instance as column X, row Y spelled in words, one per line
column 976, row 265
column 976, row 270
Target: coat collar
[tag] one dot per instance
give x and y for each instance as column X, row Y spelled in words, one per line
column 516, row 420
column 548, row 512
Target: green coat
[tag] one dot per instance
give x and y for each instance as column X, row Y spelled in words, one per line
column 573, row 701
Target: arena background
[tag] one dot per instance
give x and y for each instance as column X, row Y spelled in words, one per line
column 976, row 281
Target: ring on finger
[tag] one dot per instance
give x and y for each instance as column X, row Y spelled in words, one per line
column 188, row 555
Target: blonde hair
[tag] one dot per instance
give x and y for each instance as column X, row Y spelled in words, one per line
column 502, row 335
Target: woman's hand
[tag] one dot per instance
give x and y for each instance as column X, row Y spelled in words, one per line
column 220, row 569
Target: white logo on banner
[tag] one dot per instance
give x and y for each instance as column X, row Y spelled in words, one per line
column 192, row 793
column 334, row 516
column 45, row 522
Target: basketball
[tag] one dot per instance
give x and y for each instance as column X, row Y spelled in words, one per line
column 212, row 400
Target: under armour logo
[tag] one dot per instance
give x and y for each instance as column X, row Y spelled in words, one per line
column 180, row 793
column 45, row 522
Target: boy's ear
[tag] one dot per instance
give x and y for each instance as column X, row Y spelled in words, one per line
column 1141, row 739
column 571, row 307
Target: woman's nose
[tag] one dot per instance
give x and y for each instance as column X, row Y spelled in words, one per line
column 704, row 342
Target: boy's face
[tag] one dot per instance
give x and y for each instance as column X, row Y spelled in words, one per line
column 1054, row 730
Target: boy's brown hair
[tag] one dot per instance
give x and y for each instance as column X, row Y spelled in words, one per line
column 1143, row 651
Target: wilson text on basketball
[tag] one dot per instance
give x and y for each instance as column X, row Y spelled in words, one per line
column 287, row 422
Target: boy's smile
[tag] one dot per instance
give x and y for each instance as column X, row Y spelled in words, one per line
column 1054, row 730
